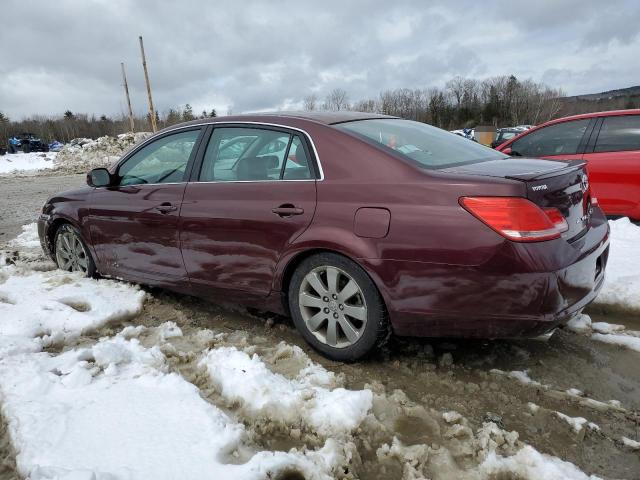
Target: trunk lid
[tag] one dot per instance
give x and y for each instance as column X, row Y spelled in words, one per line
column 549, row 184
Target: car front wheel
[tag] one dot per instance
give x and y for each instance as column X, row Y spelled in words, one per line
column 71, row 253
column 337, row 307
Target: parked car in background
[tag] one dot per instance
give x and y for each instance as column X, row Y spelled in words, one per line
column 378, row 225
column 504, row 134
column 55, row 146
column 30, row 143
column 13, row 144
column 610, row 144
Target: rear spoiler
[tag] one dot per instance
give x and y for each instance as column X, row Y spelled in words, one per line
column 570, row 166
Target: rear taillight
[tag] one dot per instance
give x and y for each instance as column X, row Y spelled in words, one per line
column 516, row 218
column 557, row 219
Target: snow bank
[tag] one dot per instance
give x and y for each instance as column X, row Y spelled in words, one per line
column 20, row 163
column 302, row 401
column 83, row 154
column 622, row 281
column 38, row 309
column 112, row 411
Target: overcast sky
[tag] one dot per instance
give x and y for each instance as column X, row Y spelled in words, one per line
column 254, row 55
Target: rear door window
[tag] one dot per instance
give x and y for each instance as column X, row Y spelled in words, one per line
column 558, row 139
column 298, row 166
column 237, row 154
column 619, row 134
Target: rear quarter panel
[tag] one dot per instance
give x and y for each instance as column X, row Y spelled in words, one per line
column 615, row 181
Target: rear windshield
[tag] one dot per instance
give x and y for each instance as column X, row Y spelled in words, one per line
column 423, row 145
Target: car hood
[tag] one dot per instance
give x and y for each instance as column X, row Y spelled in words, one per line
column 75, row 194
column 515, row 168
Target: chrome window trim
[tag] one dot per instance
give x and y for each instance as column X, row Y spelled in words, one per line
column 236, row 122
column 214, row 181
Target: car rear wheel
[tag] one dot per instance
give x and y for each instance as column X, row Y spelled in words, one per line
column 337, row 307
column 71, row 253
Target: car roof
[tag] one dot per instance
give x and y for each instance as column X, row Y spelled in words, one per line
column 285, row 118
column 610, row 113
column 582, row 116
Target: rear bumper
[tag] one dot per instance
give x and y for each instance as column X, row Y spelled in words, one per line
column 524, row 290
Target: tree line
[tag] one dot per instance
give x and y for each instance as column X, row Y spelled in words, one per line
column 463, row 102
column 76, row 125
column 500, row 101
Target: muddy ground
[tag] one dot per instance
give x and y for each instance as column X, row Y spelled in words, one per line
column 420, row 376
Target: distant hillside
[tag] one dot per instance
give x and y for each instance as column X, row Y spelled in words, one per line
column 611, row 94
column 621, row 98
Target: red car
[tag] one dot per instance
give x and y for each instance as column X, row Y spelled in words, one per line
column 608, row 141
column 355, row 224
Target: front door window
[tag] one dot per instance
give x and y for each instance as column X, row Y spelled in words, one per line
column 162, row 161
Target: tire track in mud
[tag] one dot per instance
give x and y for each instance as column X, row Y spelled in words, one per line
column 398, row 438
column 424, row 374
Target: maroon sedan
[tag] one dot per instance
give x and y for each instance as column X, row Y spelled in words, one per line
column 356, row 224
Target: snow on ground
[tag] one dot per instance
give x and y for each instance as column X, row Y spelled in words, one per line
column 28, row 238
column 622, row 276
column 632, row 444
column 11, row 164
column 577, row 423
column 95, row 413
column 306, row 400
column 528, row 463
column 38, row 309
column 521, row 376
column 628, row 341
column 603, row 327
column 611, row 333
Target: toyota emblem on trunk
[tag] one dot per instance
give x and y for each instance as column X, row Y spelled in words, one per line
column 584, row 183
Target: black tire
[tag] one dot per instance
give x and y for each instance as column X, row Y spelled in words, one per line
column 69, row 229
column 375, row 331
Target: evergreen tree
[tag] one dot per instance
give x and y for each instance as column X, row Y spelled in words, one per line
column 187, row 113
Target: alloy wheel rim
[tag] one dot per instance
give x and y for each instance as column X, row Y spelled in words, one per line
column 333, row 306
column 70, row 253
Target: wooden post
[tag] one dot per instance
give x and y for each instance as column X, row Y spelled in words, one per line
column 152, row 112
column 126, row 91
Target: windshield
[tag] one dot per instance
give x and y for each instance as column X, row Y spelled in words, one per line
column 426, row 146
column 508, row 135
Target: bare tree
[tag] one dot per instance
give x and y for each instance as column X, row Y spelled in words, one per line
column 336, row 100
column 310, row 102
column 368, row 106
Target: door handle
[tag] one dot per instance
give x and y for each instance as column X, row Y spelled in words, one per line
column 166, row 208
column 287, row 210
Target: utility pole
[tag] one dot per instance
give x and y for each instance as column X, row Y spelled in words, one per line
column 152, row 112
column 126, row 91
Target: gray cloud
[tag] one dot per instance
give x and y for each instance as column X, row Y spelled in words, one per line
column 255, row 55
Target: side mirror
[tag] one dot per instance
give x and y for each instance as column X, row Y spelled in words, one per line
column 507, row 151
column 99, row 177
